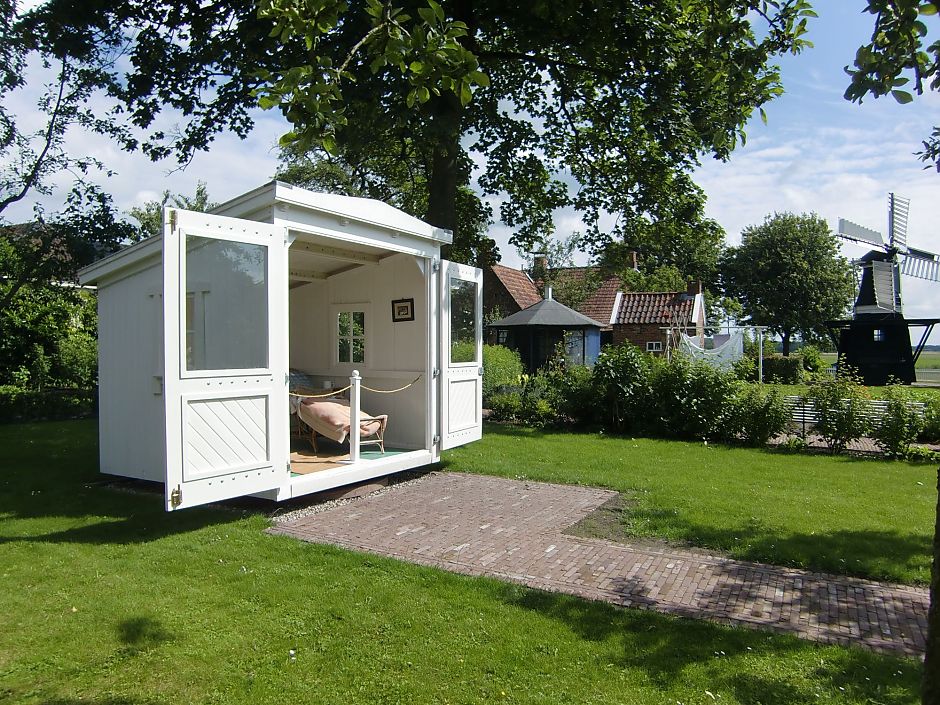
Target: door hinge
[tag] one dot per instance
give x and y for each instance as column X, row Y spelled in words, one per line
column 176, row 497
column 172, row 220
column 436, row 440
column 435, row 266
column 436, row 373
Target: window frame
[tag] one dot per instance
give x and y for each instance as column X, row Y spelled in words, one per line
column 365, row 308
column 654, row 346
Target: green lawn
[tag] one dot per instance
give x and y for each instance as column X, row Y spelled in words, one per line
column 104, row 599
column 838, row 514
column 928, row 360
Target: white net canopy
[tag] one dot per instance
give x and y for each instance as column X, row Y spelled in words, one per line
column 722, row 357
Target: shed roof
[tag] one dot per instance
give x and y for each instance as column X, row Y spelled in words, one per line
column 663, row 308
column 547, row 312
column 517, row 283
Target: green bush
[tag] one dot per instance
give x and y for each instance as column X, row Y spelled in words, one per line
column 571, row 393
column 18, row 404
column 930, row 433
column 900, row 425
column 536, row 395
column 783, row 370
column 621, row 384
column 813, row 362
column 502, row 368
column 506, row 406
column 841, row 403
column 758, row 414
column 745, row 368
column 690, row 399
column 76, row 362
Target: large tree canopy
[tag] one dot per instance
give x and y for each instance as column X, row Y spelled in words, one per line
column 602, row 106
column 788, row 275
column 898, row 60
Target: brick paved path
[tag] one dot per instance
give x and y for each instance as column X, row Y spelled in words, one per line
column 511, row 529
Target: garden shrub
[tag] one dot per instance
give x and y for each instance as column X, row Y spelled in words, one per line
column 506, row 406
column 76, row 362
column 502, row 368
column 900, row 425
column 690, row 399
column 783, row 370
column 621, row 382
column 813, row 363
column 536, row 397
column 572, row 393
column 841, row 403
column 758, row 414
column 930, row 433
column 745, row 368
column 17, row 404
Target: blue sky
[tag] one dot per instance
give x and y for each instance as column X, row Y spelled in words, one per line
column 818, row 153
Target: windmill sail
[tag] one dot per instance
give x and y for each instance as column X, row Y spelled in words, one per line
column 898, row 211
column 859, row 233
column 924, row 265
column 883, row 280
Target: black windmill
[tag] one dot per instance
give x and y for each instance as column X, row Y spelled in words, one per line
column 876, row 341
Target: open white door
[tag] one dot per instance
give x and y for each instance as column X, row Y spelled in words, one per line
column 225, row 357
column 461, row 354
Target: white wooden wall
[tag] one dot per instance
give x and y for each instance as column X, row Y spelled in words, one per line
column 397, row 352
column 130, row 342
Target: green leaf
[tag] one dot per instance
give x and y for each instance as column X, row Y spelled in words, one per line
column 763, row 115
column 465, row 95
column 928, row 8
column 416, row 67
column 903, row 97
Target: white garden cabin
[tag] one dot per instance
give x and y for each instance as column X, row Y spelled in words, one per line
column 200, row 326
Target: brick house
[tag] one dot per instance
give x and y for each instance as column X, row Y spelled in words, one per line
column 507, row 291
column 639, row 317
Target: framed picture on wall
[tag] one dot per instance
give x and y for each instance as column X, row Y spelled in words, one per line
column 403, row 310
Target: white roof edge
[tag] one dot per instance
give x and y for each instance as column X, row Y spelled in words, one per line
column 698, row 305
column 125, row 257
column 297, row 196
column 618, row 299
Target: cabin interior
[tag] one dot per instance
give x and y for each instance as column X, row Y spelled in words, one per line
column 358, row 308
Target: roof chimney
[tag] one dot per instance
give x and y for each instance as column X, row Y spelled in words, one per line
column 694, row 287
column 548, row 293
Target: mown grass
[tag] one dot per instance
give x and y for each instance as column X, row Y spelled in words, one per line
column 928, row 360
column 105, row 599
column 844, row 515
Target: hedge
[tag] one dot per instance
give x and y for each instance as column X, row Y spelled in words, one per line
column 51, row 404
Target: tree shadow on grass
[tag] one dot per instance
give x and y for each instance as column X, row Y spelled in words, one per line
column 870, row 554
column 50, row 471
column 753, row 665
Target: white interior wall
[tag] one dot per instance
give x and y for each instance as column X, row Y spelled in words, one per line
column 396, row 352
column 130, row 399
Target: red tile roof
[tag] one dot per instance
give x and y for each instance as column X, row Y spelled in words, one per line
column 664, row 308
column 517, row 283
column 600, row 305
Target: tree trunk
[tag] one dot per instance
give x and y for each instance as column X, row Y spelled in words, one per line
column 930, row 685
column 445, row 166
column 786, row 343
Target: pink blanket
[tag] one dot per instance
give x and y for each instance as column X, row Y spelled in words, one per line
column 330, row 418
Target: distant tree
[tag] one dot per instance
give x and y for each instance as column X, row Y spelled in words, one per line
column 665, row 278
column 554, row 266
column 788, row 275
column 895, row 55
column 150, row 215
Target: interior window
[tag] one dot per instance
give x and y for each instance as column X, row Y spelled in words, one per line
column 226, row 311
column 463, row 321
column 351, row 336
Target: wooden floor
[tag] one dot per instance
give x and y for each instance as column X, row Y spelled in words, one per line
column 303, row 460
